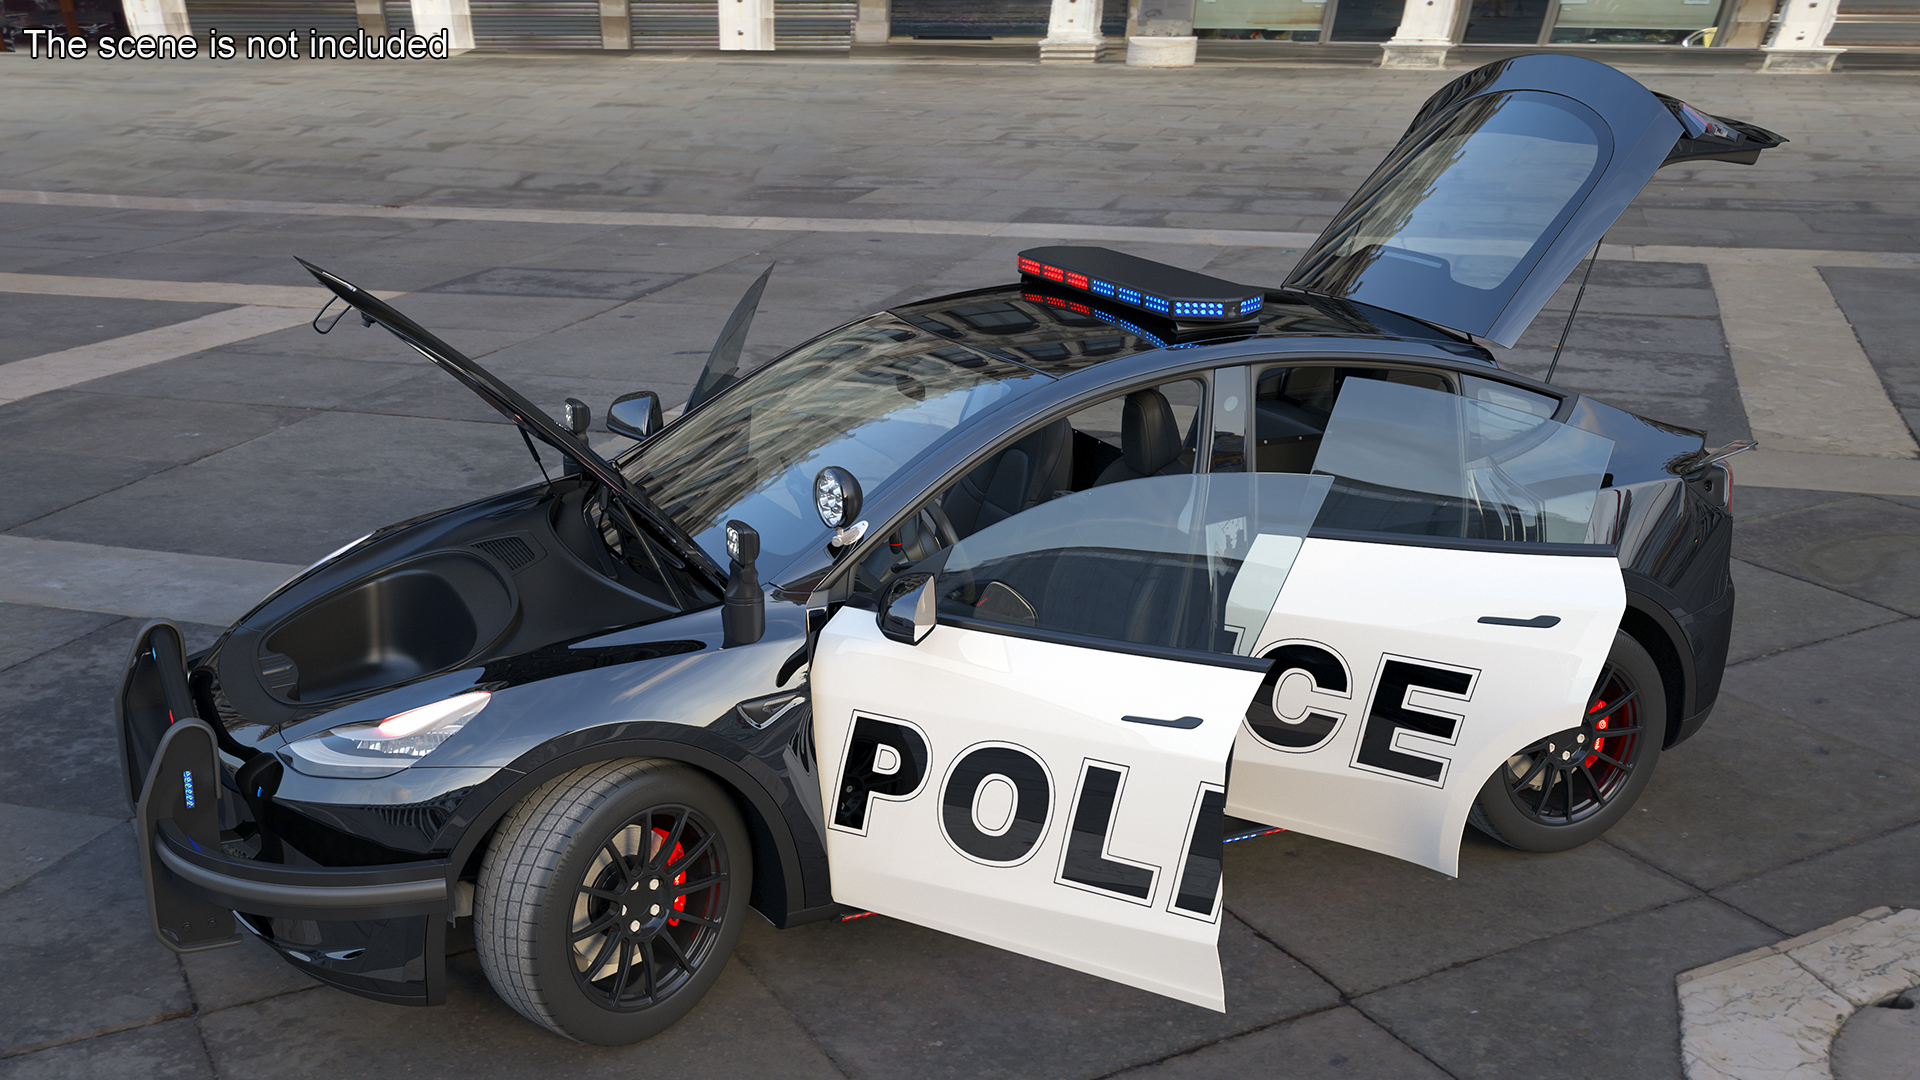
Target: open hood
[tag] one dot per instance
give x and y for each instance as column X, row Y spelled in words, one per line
column 1508, row 177
column 533, row 422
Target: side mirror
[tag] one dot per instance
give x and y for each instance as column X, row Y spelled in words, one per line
column 743, row 615
column 635, row 415
column 907, row 615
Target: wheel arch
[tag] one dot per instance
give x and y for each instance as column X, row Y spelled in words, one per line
column 1656, row 631
column 778, row 885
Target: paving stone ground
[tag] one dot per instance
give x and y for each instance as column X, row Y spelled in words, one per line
column 1799, row 803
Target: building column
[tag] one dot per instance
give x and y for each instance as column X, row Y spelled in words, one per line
column 616, row 27
column 875, row 23
column 1751, row 19
column 1425, row 35
column 746, row 25
column 1073, row 33
column 454, row 16
column 372, row 16
column 156, row 17
column 1799, row 45
column 1161, row 34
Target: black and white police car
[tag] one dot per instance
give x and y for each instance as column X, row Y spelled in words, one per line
column 960, row 612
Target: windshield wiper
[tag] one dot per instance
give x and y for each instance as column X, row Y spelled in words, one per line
column 529, row 418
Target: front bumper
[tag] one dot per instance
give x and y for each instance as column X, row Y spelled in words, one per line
column 374, row 930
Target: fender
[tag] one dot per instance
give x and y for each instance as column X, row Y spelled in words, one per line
column 790, row 884
column 1646, row 616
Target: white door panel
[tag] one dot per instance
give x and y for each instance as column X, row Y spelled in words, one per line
column 1040, row 821
column 1403, row 703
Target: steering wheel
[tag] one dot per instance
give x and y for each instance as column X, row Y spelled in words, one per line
column 941, row 525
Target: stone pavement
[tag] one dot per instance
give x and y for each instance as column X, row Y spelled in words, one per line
column 175, row 456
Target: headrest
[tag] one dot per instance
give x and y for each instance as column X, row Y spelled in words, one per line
column 1149, row 436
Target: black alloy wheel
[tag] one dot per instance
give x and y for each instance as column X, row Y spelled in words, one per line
column 1573, row 785
column 649, row 910
column 611, row 897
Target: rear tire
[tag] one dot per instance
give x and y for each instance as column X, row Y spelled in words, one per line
column 611, row 897
column 1573, row 785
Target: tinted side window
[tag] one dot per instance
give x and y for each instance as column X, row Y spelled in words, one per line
column 1511, row 397
column 1291, row 406
column 1182, row 562
column 1411, row 461
column 1151, row 432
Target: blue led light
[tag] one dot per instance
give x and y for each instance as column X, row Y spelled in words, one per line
column 187, row 777
column 1204, row 308
column 1126, row 294
column 1156, row 304
column 1104, row 288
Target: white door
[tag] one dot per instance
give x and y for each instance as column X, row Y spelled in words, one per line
column 1046, row 770
column 1454, row 604
column 1059, row 801
column 1390, row 702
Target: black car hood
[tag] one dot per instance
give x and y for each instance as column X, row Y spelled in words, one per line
column 1506, row 180
column 525, row 415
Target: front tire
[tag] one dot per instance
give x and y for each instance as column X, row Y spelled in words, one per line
column 611, row 897
column 1573, row 785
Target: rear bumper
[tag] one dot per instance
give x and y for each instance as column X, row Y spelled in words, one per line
column 372, row 930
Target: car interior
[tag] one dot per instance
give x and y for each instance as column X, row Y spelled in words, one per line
column 1149, row 432
column 1157, row 598
column 1291, row 407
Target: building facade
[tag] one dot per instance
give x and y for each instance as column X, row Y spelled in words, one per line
column 1408, row 32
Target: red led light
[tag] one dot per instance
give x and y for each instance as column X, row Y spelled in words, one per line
column 1079, row 309
column 1028, row 266
column 1052, row 273
column 1078, row 281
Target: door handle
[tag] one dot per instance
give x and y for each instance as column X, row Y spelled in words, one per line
column 1185, row 723
column 1538, row 622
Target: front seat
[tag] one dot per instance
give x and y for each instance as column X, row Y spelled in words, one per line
column 1150, row 440
column 1021, row 476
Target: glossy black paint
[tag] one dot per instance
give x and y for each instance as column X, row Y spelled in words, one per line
column 592, row 651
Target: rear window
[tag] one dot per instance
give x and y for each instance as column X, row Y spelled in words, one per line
column 1467, row 207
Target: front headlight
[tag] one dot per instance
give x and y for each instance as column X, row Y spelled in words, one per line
column 384, row 747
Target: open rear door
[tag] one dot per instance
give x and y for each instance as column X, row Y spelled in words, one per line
column 1454, row 604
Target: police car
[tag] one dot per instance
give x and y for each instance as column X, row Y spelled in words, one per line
column 995, row 613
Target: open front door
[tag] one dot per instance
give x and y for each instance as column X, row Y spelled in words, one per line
column 1045, row 771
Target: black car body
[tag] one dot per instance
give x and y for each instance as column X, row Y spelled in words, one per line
column 596, row 618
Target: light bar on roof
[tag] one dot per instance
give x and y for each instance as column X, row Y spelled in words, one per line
column 1166, row 291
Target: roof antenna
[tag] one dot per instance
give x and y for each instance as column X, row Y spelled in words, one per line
column 1575, row 310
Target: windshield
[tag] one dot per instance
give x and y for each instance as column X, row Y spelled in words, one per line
column 871, row 398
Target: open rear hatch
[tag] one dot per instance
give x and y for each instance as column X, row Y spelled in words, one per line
column 1507, row 178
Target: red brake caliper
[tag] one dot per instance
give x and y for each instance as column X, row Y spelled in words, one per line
column 679, row 902
column 1597, row 743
